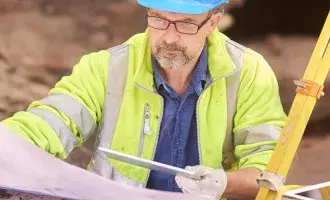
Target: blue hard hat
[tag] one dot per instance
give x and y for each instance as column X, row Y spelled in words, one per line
column 183, row 6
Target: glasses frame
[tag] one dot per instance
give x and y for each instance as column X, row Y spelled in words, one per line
column 199, row 26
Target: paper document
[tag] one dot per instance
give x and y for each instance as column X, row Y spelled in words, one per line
column 24, row 167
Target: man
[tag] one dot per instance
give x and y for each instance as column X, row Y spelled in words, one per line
column 181, row 93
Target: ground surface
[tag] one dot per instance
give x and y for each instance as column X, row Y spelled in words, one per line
column 41, row 40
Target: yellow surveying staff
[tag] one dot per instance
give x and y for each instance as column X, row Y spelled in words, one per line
column 181, row 93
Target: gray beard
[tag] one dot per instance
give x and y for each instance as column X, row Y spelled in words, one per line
column 178, row 61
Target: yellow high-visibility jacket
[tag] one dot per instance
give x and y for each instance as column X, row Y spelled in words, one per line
column 112, row 93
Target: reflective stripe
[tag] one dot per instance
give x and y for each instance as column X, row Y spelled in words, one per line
column 256, row 134
column 74, row 110
column 57, row 124
column 117, row 73
column 236, row 52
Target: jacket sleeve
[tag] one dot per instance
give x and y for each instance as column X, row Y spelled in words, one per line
column 70, row 113
column 260, row 117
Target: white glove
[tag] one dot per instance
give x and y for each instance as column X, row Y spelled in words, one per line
column 211, row 186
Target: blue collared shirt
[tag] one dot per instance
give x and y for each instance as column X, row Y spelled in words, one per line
column 177, row 144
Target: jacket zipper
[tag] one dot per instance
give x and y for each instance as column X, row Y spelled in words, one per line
column 146, row 126
column 197, row 113
column 158, row 128
column 145, row 130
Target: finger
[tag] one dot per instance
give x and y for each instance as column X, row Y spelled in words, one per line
column 203, row 170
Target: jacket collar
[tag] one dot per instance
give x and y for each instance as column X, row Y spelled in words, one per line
column 219, row 61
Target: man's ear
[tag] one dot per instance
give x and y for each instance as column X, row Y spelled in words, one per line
column 214, row 22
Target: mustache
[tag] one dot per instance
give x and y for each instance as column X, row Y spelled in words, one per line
column 170, row 47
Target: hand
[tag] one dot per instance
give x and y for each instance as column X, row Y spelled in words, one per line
column 211, row 186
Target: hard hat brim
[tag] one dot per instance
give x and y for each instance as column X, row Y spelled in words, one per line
column 183, row 7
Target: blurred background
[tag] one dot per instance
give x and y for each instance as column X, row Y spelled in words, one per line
column 41, row 40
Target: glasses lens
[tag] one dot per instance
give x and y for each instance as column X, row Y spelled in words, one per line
column 157, row 22
column 187, row 28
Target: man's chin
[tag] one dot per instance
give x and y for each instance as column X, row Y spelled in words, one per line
column 170, row 64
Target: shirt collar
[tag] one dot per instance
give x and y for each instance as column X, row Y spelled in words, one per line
column 199, row 78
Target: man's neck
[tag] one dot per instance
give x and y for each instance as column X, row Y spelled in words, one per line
column 180, row 78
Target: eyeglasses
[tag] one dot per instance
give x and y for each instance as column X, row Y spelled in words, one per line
column 180, row 26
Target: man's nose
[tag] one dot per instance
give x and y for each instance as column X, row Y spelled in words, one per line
column 171, row 35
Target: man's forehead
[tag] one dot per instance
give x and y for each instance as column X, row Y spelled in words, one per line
column 177, row 16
